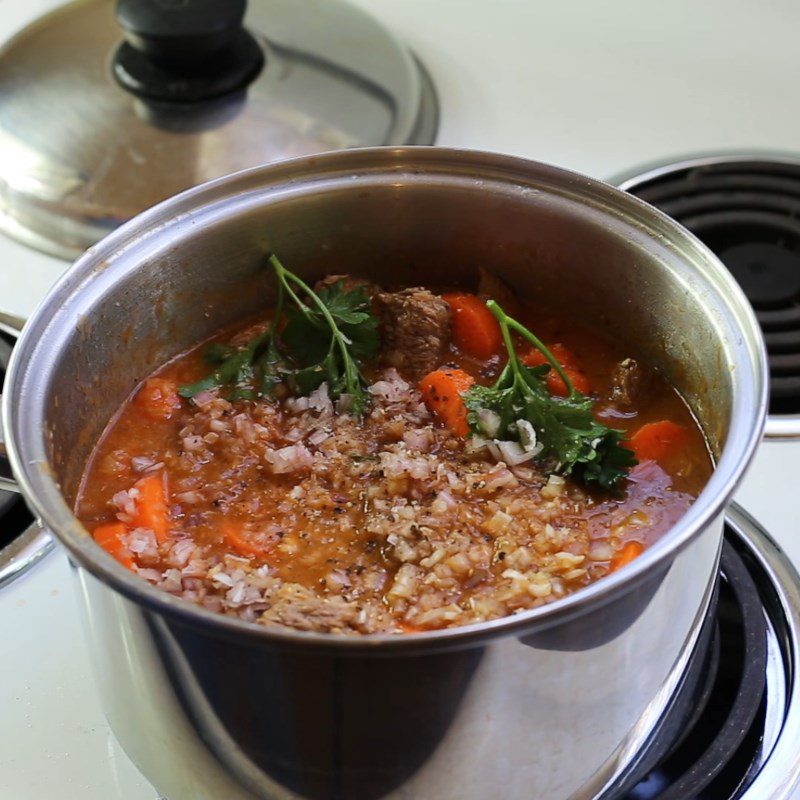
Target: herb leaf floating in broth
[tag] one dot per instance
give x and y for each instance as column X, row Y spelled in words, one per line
column 328, row 339
column 324, row 340
column 252, row 370
column 518, row 408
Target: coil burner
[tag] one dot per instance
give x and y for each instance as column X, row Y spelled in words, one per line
column 747, row 210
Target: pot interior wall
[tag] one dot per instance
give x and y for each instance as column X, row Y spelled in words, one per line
column 176, row 285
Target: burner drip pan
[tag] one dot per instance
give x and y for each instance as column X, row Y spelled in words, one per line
column 740, row 742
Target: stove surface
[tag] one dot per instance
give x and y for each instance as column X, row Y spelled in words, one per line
column 605, row 89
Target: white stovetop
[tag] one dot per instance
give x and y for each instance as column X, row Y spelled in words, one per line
column 598, row 87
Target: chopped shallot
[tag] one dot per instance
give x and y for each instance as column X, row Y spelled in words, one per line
column 289, row 459
column 141, row 463
column 202, row 399
column 489, row 422
column 512, row 453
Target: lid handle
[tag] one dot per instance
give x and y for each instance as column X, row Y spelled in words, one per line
column 179, row 31
column 185, row 50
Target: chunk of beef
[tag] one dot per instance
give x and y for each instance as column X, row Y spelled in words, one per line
column 415, row 330
column 241, row 338
column 627, row 383
column 349, row 283
column 298, row 607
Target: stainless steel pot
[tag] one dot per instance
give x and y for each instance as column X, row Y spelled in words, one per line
column 552, row 703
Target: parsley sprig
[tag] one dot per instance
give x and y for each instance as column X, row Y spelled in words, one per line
column 325, row 338
column 565, row 427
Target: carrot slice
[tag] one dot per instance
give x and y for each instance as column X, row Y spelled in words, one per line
column 158, row 398
column 476, row 332
column 152, row 511
column 624, row 556
column 568, row 362
column 657, row 441
column 109, row 537
column 234, row 536
column 441, row 391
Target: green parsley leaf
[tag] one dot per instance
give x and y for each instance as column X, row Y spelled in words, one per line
column 307, row 341
column 350, row 340
column 217, row 352
column 236, row 369
column 326, row 336
column 351, row 307
column 566, row 428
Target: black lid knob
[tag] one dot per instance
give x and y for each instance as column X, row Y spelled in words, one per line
column 175, row 31
column 185, row 50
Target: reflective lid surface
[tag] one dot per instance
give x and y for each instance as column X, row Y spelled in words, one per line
column 79, row 155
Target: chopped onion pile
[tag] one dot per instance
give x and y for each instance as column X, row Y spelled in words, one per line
column 510, row 452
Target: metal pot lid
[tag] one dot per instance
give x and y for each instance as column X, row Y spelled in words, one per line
column 94, row 127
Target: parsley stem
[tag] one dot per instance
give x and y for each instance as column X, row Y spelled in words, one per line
column 513, row 360
column 507, row 322
column 273, row 328
column 284, row 276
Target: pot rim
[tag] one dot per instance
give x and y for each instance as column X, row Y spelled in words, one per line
column 26, row 437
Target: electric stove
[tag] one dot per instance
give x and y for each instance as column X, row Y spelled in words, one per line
column 684, row 104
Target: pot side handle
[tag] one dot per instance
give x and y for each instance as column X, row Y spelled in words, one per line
column 11, row 325
column 7, row 482
column 35, row 542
